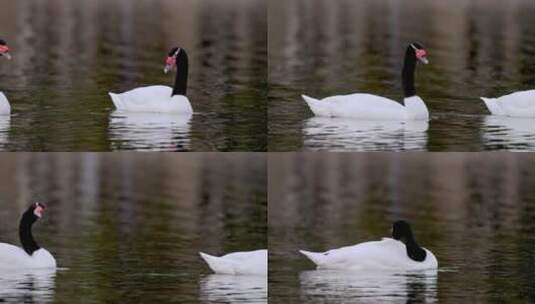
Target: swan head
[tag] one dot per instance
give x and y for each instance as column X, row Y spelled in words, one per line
column 4, row 50
column 419, row 52
column 36, row 210
column 401, row 231
column 171, row 60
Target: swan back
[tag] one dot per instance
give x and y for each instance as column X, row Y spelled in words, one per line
column 363, row 106
column 387, row 254
column 5, row 108
column 416, row 108
column 157, row 99
column 518, row 104
column 247, row 262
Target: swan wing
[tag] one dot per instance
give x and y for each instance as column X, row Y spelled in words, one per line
column 151, row 99
column 518, row 104
column 387, row 253
column 12, row 256
column 5, row 108
column 364, row 106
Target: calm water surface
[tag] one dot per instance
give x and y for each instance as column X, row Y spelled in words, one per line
column 476, row 48
column 127, row 228
column 474, row 212
column 69, row 54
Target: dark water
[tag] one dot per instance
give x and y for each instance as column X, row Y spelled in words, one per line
column 69, row 54
column 473, row 211
column 476, row 48
column 127, row 228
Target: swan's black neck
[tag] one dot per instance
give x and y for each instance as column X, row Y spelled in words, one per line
column 414, row 251
column 25, row 232
column 407, row 75
column 181, row 81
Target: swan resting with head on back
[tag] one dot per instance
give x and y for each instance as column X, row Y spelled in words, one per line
column 30, row 255
column 239, row 263
column 158, row 98
column 5, row 108
column 373, row 107
column 399, row 253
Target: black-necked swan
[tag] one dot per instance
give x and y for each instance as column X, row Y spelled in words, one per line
column 5, row 108
column 158, row 98
column 518, row 104
column 401, row 252
column 239, row 263
column 368, row 106
column 30, row 255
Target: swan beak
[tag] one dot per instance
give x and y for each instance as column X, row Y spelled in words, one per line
column 167, row 68
column 7, row 55
column 424, row 60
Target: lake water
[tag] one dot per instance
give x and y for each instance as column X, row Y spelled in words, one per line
column 473, row 211
column 476, row 48
column 67, row 55
column 127, row 228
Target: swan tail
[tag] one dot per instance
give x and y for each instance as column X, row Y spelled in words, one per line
column 492, row 105
column 218, row 264
column 317, row 107
column 116, row 100
column 315, row 257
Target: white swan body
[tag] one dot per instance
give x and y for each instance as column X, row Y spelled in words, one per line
column 368, row 106
column 5, row 108
column 386, row 254
column 239, row 263
column 156, row 98
column 518, row 104
column 13, row 257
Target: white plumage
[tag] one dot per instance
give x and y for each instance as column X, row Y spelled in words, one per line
column 5, row 108
column 13, row 257
column 239, row 263
column 518, row 104
column 156, row 98
column 387, row 254
column 367, row 106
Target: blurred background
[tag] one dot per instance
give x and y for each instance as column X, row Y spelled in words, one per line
column 69, row 54
column 475, row 47
column 128, row 227
column 473, row 211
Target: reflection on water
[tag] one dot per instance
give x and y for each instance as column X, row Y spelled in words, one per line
column 364, row 135
column 476, row 48
column 515, row 133
column 217, row 288
column 35, row 286
column 473, row 211
column 65, row 63
column 149, row 131
column 128, row 226
column 369, row 287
